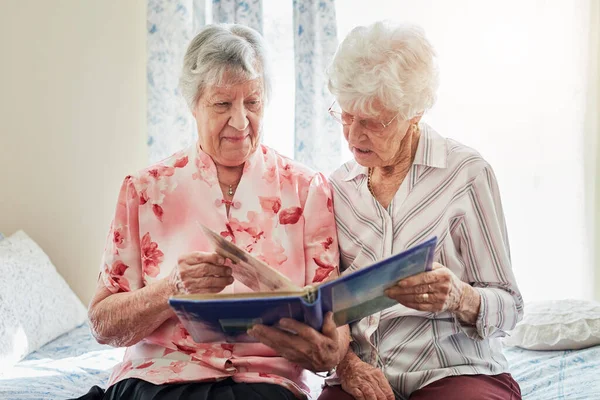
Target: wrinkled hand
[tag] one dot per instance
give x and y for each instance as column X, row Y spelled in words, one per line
column 310, row 349
column 200, row 272
column 437, row 290
column 363, row 381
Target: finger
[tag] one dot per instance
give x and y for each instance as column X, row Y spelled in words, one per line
column 213, row 282
column 205, row 270
column 276, row 338
column 367, row 392
column 329, row 328
column 377, row 391
column 420, row 279
column 388, row 393
column 424, row 307
column 215, row 285
column 426, row 288
column 198, row 257
column 304, row 331
column 355, row 392
column 436, row 265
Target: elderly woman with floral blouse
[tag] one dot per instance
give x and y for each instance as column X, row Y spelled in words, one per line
column 273, row 207
column 406, row 184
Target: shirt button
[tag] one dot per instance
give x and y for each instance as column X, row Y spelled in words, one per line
column 227, row 353
column 229, row 238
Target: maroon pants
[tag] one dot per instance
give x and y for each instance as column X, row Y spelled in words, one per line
column 462, row 387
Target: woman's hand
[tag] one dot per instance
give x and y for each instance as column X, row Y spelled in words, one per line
column 362, row 380
column 200, row 272
column 436, row 291
column 310, row 349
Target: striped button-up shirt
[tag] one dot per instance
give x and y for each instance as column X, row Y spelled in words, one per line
column 449, row 192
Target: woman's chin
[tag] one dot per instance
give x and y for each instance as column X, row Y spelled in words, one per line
column 235, row 157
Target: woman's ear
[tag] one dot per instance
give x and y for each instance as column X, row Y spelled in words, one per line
column 416, row 119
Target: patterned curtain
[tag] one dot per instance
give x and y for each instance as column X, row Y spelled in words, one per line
column 317, row 136
column 171, row 25
column 249, row 13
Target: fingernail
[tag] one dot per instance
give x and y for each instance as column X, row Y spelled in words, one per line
column 284, row 322
column 228, row 272
column 220, row 260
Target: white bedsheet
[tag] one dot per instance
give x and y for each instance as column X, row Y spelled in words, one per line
column 65, row 368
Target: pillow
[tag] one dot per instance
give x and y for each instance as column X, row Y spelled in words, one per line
column 557, row 325
column 36, row 304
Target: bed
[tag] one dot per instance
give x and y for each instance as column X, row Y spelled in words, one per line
column 45, row 357
column 62, row 369
column 556, row 374
column 71, row 364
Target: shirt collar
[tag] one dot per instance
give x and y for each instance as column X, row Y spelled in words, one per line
column 431, row 152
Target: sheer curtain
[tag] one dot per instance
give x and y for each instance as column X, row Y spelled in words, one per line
column 317, row 139
column 302, row 38
column 514, row 80
column 171, row 25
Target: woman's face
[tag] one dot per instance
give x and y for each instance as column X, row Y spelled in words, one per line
column 377, row 149
column 229, row 121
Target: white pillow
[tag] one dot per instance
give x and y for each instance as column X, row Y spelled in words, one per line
column 557, row 325
column 36, row 304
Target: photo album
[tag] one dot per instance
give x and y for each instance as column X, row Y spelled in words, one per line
column 352, row 296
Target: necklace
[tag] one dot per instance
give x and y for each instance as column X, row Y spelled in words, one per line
column 230, row 189
column 369, row 186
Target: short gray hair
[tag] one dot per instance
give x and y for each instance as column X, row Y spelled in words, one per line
column 223, row 54
column 385, row 65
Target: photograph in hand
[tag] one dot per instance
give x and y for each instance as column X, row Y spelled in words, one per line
column 247, row 269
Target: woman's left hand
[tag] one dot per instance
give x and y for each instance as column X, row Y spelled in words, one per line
column 437, row 290
column 310, row 349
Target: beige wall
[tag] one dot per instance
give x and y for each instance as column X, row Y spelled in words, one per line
column 72, row 123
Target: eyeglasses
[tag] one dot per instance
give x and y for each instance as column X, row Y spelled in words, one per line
column 345, row 118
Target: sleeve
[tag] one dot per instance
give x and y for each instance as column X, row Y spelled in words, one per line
column 320, row 236
column 485, row 253
column 121, row 269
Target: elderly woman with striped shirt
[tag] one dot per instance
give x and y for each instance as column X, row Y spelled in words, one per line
column 406, row 184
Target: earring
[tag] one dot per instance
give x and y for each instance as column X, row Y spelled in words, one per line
column 415, row 128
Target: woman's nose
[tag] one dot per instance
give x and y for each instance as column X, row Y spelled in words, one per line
column 355, row 131
column 239, row 118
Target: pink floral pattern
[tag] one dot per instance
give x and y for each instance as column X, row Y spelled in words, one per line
column 284, row 218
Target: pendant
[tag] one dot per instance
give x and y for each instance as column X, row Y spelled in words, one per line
column 230, row 192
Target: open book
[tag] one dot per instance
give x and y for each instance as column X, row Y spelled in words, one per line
column 353, row 296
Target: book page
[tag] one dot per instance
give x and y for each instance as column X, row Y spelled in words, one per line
column 361, row 293
column 250, row 271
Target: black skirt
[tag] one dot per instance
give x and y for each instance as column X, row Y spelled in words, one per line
column 137, row 389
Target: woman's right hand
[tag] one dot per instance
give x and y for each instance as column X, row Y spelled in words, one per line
column 362, row 380
column 200, row 272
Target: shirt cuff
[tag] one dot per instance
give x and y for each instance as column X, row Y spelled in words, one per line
column 492, row 310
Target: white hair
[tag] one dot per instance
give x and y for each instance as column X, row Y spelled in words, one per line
column 384, row 67
column 224, row 54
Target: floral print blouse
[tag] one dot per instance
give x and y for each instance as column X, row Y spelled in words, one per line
column 281, row 213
